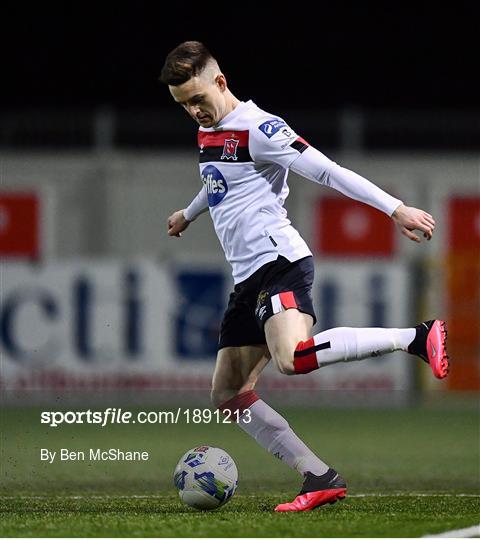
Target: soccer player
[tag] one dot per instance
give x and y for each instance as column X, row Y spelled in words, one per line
column 245, row 154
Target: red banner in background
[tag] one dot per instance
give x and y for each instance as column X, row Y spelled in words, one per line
column 464, row 224
column 463, row 292
column 348, row 228
column 19, row 225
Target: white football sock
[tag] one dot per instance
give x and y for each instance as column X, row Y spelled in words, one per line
column 347, row 344
column 274, row 433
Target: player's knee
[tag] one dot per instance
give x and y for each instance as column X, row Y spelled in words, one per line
column 286, row 368
column 215, row 398
column 284, row 362
column 218, row 396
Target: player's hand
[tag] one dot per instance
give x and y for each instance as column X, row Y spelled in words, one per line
column 177, row 224
column 409, row 219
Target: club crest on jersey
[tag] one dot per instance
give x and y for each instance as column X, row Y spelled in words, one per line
column 230, row 149
column 215, row 184
column 271, row 127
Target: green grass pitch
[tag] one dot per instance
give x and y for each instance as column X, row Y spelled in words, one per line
column 410, row 473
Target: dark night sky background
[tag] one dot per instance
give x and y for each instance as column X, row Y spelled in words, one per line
column 348, row 53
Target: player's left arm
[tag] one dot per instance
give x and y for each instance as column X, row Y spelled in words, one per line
column 274, row 141
column 315, row 166
column 409, row 219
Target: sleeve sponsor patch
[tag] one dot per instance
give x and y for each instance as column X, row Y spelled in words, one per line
column 271, row 127
column 299, row 144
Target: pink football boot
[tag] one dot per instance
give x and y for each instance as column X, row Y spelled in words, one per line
column 316, row 491
column 430, row 344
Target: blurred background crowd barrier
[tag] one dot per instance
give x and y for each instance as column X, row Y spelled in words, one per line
column 96, row 298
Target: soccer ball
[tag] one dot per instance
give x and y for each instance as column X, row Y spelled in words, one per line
column 206, row 477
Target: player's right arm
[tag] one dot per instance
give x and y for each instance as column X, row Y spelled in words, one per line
column 181, row 219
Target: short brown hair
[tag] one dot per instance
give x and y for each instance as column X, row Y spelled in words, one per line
column 187, row 60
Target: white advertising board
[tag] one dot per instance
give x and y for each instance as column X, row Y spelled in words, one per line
column 91, row 325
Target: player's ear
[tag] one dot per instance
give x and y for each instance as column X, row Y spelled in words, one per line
column 221, row 82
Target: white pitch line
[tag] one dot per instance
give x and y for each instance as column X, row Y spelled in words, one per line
column 354, row 496
column 409, row 494
column 468, row 532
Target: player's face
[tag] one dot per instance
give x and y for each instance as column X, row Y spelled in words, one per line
column 204, row 100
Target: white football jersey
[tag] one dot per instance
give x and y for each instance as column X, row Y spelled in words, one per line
column 244, row 163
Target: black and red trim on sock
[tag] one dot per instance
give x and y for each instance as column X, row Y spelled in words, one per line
column 305, row 355
column 235, row 407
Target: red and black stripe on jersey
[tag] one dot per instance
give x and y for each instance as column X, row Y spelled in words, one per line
column 300, row 144
column 232, row 146
column 225, row 146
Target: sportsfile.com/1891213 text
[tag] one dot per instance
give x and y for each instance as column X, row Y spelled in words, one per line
column 113, row 415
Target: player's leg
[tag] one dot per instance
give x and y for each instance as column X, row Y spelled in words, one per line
column 241, row 358
column 236, row 373
column 232, row 376
column 294, row 351
column 286, row 312
column 294, row 355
